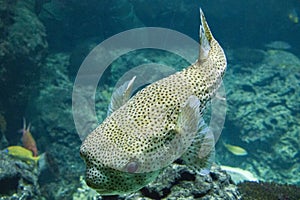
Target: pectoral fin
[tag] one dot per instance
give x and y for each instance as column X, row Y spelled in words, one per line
column 172, row 144
column 201, row 152
column 187, row 125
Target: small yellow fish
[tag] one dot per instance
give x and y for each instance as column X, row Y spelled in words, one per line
column 236, row 150
column 22, row 154
column 293, row 16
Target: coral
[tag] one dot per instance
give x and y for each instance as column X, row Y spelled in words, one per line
column 263, row 115
column 84, row 192
column 267, row 87
column 268, row 191
column 52, row 111
column 18, row 179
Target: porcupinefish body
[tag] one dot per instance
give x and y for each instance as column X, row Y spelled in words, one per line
column 144, row 134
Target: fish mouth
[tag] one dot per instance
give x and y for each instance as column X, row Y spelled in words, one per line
column 102, row 191
column 94, row 186
column 90, row 183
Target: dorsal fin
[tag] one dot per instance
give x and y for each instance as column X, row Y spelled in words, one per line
column 120, row 96
column 24, row 124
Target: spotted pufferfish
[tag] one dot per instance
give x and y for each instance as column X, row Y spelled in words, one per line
column 161, row 123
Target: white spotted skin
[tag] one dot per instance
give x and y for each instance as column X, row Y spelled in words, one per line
column 143, row 131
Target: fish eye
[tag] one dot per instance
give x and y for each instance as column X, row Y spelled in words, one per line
column 132, row 166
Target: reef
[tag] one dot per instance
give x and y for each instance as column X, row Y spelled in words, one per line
column 18, row 179
column 23, row 46
column 52, row 111
column 268, row 191
column 61, row 144
column 3, row 140
column 175, row 182
column 263, row 114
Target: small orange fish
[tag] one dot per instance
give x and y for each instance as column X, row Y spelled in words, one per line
column 27, row 139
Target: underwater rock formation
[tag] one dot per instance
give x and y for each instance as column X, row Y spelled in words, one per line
column 18, row 179
column 177, row 181
column 23, row 46
column 3, row 140
column 268, row 191
column 263, row 115
column 51, row 112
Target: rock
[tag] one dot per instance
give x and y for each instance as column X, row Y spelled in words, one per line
column 270, row 191
column 51, row 116
column 262, row 117
column 269, row 86
column 3, row 140
column 18, row 179
column 23, row 47
column 178, row 182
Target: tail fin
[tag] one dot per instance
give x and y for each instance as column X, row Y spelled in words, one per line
column 210, row 49
column 205, row 26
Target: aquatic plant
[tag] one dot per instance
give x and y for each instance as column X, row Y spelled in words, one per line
column 268, row 191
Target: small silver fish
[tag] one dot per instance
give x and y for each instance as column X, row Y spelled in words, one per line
column 146, row 133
